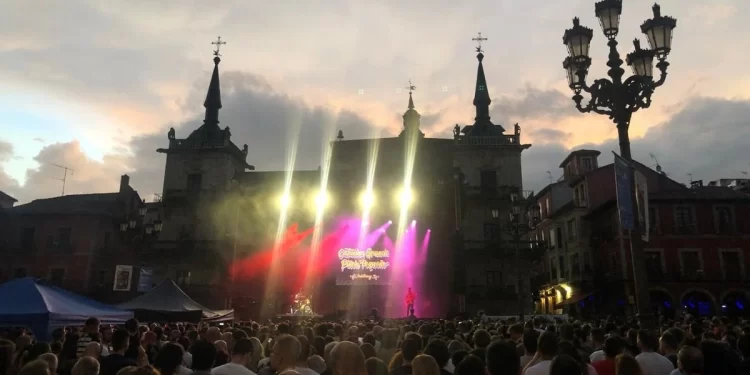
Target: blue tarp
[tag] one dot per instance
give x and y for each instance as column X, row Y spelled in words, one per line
column 43, row 308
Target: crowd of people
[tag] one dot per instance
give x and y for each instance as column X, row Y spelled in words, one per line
column 397, row 347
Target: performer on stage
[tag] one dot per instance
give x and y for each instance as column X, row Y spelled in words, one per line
column 410, row 297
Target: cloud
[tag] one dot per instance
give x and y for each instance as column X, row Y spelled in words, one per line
column 707, row 138
column 39, row 140
column 546, row 135
column 532, row 103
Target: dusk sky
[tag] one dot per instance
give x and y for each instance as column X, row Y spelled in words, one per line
column 95, row 85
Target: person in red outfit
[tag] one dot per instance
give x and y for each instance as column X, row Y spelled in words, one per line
column 410, row 298
column 613, row 346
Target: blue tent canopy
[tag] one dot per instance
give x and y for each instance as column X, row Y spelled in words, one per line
column 44, row 308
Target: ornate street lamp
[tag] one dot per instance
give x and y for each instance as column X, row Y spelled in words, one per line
column 617, row 98
column 614, row 97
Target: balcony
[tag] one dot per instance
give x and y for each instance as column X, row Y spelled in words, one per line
column 488, row 141
column 189, row 144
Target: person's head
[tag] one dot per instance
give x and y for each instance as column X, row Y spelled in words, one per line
column 690, row 360
column 92, row 325
column 456, row 346
column 37, row 367
column 316, row 363
column 51, row 360
column 565, row 365
column 530, row 341
column 597, row 337
column 37, row 349
column 106, row 332
column 627, row 365
column 7, row 348
column 410, row 348
column 120, row 341
column 368, row 350
column 242, row 352
column 204, row 355
column 131, row 325
column 347, row 359
column 647, row 342
column 375, row 366
column 86, row 366
column 516, row 331
column 458, row 356
column 438, row 349
column 213, row 334
column 285, row 352
column 503, row 359
column 424, row 364
column 743, row 345
column 668, row 343
column 482, row 339
column 613, row 346
column 93, row 350
column 547, row 345
column 169, row 359
column 470, row 365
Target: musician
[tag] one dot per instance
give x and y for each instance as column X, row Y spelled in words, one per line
column 410, row 298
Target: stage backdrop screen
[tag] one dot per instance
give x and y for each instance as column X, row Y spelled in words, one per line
column 363, row 266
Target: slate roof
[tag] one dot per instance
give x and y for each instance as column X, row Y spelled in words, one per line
column 96, row 204
column 7, row 197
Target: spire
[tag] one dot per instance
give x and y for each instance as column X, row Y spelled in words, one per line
column 411, row 116
column 481, row 95
column 213, row 97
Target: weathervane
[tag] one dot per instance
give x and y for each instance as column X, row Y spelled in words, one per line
column 479, row 41
column 411, row 87
column 218, row 44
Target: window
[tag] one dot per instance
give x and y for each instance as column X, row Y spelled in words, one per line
column 552, row 239
column 684, row 219
column 576, row 264
column 27, row 239
column 724, row 219
column 731, row 265
column 63, row 237
column 546, row 201
column 654, row 265
column 490, row 232
column 56, row 276
column 183, row 277
column 563, row 270
column 494, row 278
column 572, row 230
column 586, row 262
column 488, row 181
column 194, row 182
column 587, row 164
column 553, row 268
column 559, row 239
column 653, row 220
column 103, row 278
column 583, row 202
column 576, row 198
column 19, row 273
column 690, row 261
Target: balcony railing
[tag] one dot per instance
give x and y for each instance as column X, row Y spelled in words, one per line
column 197, row 144
column 492, row 141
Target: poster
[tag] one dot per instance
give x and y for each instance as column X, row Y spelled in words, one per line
column 145, row 280
column 123, row 277
column 624, row 184
column 641, row 198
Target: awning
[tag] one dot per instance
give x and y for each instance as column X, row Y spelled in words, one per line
column 575, row 299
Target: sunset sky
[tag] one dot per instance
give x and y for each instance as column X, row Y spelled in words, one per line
column 95, row 85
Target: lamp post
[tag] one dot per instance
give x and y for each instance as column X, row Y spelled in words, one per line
column 617, row 98
column 517, row 228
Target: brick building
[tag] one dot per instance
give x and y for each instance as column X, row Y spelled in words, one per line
column 69, row 240
column 696, row 255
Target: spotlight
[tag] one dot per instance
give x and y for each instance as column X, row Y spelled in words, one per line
column 321, row 200
column 284, row 201
column 365, row 223
column 367, row 199
column 413, row 223
column 390, row 222
column 429, row 230
column 405, row 197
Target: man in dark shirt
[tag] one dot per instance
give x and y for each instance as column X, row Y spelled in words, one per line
column 204, row 356
column 116, row 360
column 131, row 326
column 410, row 349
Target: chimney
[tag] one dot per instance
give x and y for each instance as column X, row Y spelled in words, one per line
column 124, row 183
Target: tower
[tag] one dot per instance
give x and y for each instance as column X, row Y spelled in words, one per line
column 411, row 117
column 207, row 160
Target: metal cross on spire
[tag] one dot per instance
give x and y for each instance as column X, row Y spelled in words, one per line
column 479, row 41
column 218, row 44
column 411, row 87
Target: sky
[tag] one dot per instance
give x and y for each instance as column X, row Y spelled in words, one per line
column 95, row 85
